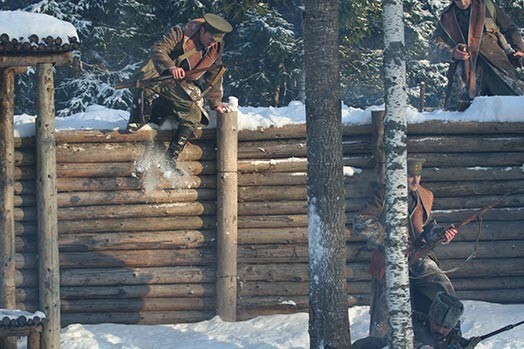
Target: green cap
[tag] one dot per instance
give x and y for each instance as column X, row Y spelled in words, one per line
column 217, row 25
column 415, row 166
column 445, row 310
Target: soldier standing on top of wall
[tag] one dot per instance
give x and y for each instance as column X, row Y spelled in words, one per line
column 483, row 46
column 426, row 278
column 193, row 57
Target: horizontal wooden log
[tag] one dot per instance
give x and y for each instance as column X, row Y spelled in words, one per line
column 138, row 258
column 482, row 267
column 122, row 197
column 134, row 305
column 273, row 193
column 294, row 272
column 473, row 143
column 472, row 159
column 25, row 213
column 253, row 208
column 485, row 249
column 282, row 178
column 291, row 164
column 495, row 214
column 24, row 157
column 139, row 318
column 136, row 276
column 287, row 303
column 119, row 135
column 25, row 200
column 474, row 173
column 490, row 230
column 24, row 173
column 125, row 292
column 132, row 183
column 435, row 127
column 443, row 189
column 122, row 152
column 180, row 239
column 511, row 296
column 290, row 235
column 26, row 278
column 490, row 283
column 27, row 60
column 25, row 188
column 136, row 224
column 262, row 288
column 273, row 221
column 139, row 210
column 139, row 291
column 125, row 169
column 476, row 201
column 271, row 149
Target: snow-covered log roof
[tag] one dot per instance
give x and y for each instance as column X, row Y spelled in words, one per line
column 26, row 32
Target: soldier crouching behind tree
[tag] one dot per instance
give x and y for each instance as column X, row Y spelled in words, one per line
column 426, row 278
column 192, row 56
column 483, row 47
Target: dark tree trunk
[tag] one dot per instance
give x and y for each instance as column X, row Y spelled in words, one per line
column 328, row 316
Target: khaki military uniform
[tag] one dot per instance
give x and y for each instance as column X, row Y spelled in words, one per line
column 183, row 100
column 426, row 278
column 486, row 30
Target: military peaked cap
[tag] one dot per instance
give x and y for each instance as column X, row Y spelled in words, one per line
column 217, row 25
column 415, row 166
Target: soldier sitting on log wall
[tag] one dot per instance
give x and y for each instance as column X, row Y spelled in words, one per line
column 192, row 57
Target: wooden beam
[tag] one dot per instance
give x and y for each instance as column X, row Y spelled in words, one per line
column 227, row 215
column 35, row 59
column 7, row 182
column 49, row 277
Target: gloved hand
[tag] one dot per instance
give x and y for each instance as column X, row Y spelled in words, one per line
column 473, row 341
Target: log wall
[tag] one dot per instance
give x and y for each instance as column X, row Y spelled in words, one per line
column 129, row 255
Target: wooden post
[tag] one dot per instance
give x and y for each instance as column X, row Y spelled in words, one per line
column 7, row 192
column 227, row 215
column 49, row 277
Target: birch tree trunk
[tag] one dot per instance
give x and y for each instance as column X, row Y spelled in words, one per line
column 396, row 240
column 328, row 316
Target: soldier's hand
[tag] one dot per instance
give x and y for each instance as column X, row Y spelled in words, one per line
column 518, row 54
column 473, row 341
column 222, row 108
column 460, row 52
column 177, row 73
column 449, row 234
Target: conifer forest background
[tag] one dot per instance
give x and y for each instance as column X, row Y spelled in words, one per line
column 264, row 53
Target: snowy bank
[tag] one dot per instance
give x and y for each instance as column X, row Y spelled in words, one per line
column 483, row 109
column 275, row 331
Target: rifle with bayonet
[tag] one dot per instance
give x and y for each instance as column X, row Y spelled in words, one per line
column 434, row 234
column 472, row 342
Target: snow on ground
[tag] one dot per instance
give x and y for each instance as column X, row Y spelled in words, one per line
column 483, row 109
column 20, row 25
column 275, row 331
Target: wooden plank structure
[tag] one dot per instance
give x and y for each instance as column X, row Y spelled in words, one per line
column 15, row 58
column 14, row 323
column 130, row 255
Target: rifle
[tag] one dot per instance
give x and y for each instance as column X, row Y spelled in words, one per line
column 161, row 79
column 466, row 342
column 433, row 235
